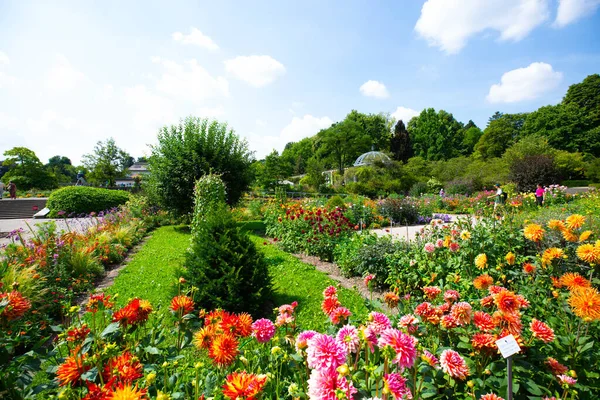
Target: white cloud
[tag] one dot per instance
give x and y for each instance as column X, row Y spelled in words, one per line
column 7, row 80
column 196, row 38
column 405, row 114
column 47, row 121
column 449, row 24
column 260, row 122
column 151, row 111
column 63, row 76
column 4, row 58
column 8, row 122
column 189, row 81
column 374, row 89
column 211, row 112
column 525, row 83
column 572, row 10
column 257, row 71
column 301, row 128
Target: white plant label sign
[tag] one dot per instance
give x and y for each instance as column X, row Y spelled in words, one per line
column 508, row 346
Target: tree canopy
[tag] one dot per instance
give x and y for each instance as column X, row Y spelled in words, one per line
column 107, row 163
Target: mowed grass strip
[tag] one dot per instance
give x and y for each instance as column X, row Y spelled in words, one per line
column 294, row 280
column 153, row 272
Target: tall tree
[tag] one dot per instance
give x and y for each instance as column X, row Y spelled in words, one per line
column 62, row 168
column 191, row 149
column 586, row 95
column 26, row 170
column 471, row 135
column 107, row 163
column 342, row 143
column 503, row 131
column 400, row 143
column 435, row 135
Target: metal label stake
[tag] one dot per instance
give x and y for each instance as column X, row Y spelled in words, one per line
column 508, row 346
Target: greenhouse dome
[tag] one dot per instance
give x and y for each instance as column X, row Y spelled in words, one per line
column 370, row 158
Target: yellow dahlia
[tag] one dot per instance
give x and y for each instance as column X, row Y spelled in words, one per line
column 570, row 236
column 573, row 280
column 575, row 221
column 465, row 235
column 588, row 253
column 481, row 261
column 534, row 232
column 556, row 224
column 510, row 258
column 585, row 235
column 585, row 302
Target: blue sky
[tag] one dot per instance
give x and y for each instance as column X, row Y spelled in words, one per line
column 76, row 72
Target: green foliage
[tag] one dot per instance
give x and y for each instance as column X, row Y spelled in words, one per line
column 533, row 145
column 400, row 145
column 191, row 149
column 336, row 202
column 435, row 136
column 530, row 171
column 402, row 210
column 209, row 196
column 502, row 131
column 365, row 254
column 418, row 189
column 107, row 163
column 84, row 200
column 26, row 171
column 226, row 267
column 62, row 168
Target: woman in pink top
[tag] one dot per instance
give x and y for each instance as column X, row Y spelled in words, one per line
column 539, row 195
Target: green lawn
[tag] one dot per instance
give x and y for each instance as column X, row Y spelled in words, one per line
column 153, row 272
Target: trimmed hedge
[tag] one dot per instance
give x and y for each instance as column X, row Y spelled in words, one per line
column 84, row 200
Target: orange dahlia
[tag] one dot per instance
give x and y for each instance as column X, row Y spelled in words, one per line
column 77, row 334
column 203, row 337
column 213, row 318
column 330, row 304
column 182, row 304
column 569, row 235
column 432, row 292
column 124, row 368
column 534, row 232
column 223, row 349
column 490, row 396
column 541, row 331
column 588, row 253
column 585, row 235
column 585, row 303
column 528, row 268
column 556, row 224
column 554, row 252
column 509, row 323
column 70, row 371
column 127, row 392
column 483, row 321
column 573, row 280
column 482, row 282
column 244, row 325
column 555, row 367
column 391, row 299
column 507, row 301
column 484, row 342
column 481, row 261
column 96, row 301
column 575, row 221
column 17, row 305
column 243, row 385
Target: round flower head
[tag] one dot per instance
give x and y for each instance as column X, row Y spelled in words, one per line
column 510, row 258
column 528, row 268
column 432, row 291
column 573, row 280
column 481, row 261
column 403, row 345
column 462, row 312
column 566, row 380
column 483, row 321
column 429, row 247
column 325, row 353
column 182, row 304
column 482, row 282
column 534, row 232
column 391, row 299
column 348, row 337
column 555, row 367
column 409, row 322
column 507, row 301
column 395, row 384
column 484, row 342
column 589, row 253
column 242, row 385
column 17, row 305
column 541, row 331
column 490, row 396
column 70, row 371
column 575, row 221
column 339, row 315
column 454, row 365
column 128, row 392
column 430, row 359
column 325, row 385
column 585, row 303
column 378, row 322
column 223, row 349
column 303, row 338
column 451, row 296
column 329, row 305
column 263, row 330
column 585, row 235
column 569, row 235
column 330, row 291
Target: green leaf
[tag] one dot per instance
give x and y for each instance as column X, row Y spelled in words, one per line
column 110, row 329
column 151, row 350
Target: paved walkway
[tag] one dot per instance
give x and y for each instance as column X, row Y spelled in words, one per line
column 10, row 225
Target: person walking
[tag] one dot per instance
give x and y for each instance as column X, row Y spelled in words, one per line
column 12, row 190
column 539, row 195
column 499, row 196
column 1, row 190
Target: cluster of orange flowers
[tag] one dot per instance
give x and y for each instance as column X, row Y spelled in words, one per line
column 135, row 313
column 243, row 385
column 17, row 305
column 583, row 298
column 220, row 335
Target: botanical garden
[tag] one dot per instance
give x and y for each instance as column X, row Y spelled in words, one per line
column 221, row 294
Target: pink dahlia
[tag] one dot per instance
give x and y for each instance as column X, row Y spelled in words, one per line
column 263, row 330
column 566, row 380
column 368, row 279
column 378, row 322
column 403, row 345
column 449, row 321
column 396, row 385
column 490, row 396
column 330, row 291
column 454, row 365
column 451, row 296
column 439, row 243
column 325, row 353
column 430, row 359
column 409, row 322
column 348, row 337
column 339, row 315
column 324, row 385
column 429, row 247
column 541, row 331
column 302, row 340
column 369, row 336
